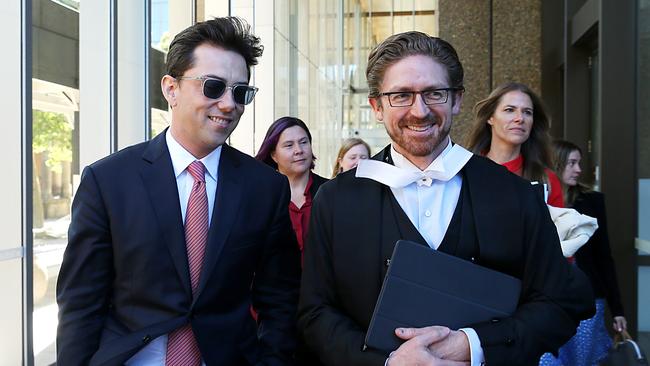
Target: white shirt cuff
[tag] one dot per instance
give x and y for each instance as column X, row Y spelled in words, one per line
column 475, row 349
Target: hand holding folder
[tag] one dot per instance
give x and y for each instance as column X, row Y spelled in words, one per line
column 425, row 287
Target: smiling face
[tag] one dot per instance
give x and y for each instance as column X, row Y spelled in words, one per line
column 418, row 132
column 572, row 169
column 201, row 124
column 512, row 119
column 351, row 158
column 293, row 152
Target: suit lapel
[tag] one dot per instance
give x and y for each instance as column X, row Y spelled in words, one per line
column 483, row 203
column 224, row 212
column 158, row 175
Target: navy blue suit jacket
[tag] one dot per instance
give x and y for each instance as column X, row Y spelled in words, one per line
column 125, row 279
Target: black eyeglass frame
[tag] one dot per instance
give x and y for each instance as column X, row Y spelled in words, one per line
column 413, row 93
column 204, row 79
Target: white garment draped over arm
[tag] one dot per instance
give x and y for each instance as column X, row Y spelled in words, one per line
column 573, row 228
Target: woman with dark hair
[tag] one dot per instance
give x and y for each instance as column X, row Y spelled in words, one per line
column 352, row 150
column 287, row 148
column 511, row 128
column 591, row 342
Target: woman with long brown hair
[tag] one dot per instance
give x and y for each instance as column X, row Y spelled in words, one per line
column 590, row 344
column 511, row 128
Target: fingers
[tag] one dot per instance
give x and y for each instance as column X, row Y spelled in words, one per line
column 426, row 335
column 454, row 347
column 620, row 324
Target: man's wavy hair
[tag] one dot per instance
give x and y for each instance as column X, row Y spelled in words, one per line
column 229, row 33
column 402, row 45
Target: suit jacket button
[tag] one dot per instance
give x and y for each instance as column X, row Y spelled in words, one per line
column 510, row 341
column 146, row 339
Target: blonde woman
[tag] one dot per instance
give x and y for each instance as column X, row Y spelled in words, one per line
column 352, row 150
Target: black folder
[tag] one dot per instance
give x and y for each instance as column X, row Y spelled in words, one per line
column 426, row 287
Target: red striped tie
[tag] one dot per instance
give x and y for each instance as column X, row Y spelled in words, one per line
column 182, row 349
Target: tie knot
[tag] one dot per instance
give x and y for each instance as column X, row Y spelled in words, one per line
column 197, row 170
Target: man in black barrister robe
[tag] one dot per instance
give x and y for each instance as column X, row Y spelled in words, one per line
column 424, row 188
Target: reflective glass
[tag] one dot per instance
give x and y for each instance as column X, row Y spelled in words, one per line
column 55, row 144
column 643, row 171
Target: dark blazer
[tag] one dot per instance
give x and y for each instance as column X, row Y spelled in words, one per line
column 355, row 224
column 317, row 181
column 595, row 258
column 125, row 280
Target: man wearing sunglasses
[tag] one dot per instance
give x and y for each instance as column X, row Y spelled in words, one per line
column 425, row 189
column 172, row 241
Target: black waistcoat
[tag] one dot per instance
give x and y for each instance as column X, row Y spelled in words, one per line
column 460, row 237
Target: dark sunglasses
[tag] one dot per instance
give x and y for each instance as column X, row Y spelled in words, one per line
column 215, row 88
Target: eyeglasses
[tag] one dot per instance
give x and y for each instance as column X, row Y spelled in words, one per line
column 430, row 97
column 215, row 88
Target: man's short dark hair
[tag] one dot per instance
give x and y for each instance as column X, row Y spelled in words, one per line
column 401, row 45
column 229, row 33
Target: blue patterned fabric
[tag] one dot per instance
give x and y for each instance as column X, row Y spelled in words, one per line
column 588, row 346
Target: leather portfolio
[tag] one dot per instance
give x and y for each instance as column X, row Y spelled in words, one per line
column 425, row 287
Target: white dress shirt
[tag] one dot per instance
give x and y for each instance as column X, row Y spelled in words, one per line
column 153, row 354
column 429, row 198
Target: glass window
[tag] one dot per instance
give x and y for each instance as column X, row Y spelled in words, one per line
column 643, row 169
column 367, row 23
column 55, row 127
column 160, row 40
column 320, row 66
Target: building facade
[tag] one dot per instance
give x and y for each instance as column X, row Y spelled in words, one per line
column 82, row 80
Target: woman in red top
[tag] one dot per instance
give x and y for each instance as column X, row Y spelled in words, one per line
column 287, row 148
column 511, row 128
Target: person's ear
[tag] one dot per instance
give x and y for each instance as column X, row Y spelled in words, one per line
column 377, row 107
column 169, row 87
column 490, row 122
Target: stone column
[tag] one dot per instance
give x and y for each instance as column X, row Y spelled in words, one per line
column 497, row 41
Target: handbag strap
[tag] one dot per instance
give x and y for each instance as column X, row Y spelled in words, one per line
column 622, row 336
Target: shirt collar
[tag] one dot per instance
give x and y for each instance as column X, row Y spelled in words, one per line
column 444, row 167
column 181, row 158
column 308, row 186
